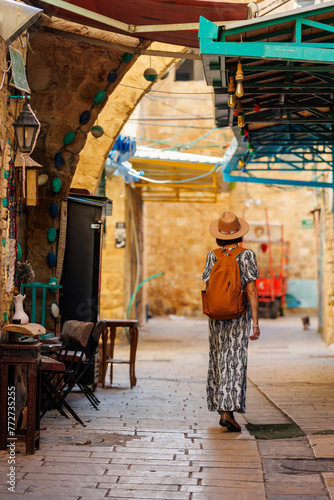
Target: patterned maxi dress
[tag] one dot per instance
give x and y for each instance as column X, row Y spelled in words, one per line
column 228, row 343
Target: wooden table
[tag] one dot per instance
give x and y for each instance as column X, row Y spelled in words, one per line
column 110, row 332
column 28, row 356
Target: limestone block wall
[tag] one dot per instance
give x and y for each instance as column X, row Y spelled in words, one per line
column 176, row 235
column 328, row 272
column 122, row 268
column 288, row 207
column 113, row 260
column 177, row 240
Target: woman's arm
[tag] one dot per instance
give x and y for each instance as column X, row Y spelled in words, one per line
column 253, row 298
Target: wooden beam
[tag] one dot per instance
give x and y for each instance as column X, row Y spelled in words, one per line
column 120, row 47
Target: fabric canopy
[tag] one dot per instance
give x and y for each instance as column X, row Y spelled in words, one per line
column 169, row 21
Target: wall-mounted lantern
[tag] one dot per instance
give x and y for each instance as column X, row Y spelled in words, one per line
column 26, row 127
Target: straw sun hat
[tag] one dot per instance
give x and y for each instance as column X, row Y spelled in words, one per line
column 228, row 227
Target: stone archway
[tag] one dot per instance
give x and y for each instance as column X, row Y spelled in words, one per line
column 115, row 114
column 65, row 77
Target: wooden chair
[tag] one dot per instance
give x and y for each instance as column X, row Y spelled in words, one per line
column 58, row 379
column 90, row 352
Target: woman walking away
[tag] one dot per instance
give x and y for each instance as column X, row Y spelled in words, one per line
column 228, row 338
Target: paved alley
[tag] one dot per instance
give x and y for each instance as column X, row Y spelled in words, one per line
column 158, row 441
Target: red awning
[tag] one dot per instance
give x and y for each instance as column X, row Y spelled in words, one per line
column 146, row 18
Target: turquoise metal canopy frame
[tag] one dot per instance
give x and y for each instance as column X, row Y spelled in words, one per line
column 288, row 65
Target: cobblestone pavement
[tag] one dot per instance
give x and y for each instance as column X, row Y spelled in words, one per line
column 158, row 441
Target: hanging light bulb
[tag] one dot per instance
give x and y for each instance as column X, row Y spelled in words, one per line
column 241, row 121
column 239, row 78
column 257, row 106
column 231, row 91
column 231, row 100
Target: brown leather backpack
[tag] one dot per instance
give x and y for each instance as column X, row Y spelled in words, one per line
column 224, row 297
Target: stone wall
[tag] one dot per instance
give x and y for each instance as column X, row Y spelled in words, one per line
column 9, row 110
column 176, row 235
column 65, row 73
column 113, row 259
column 65, row 77
column 328, row 269
column 288, row 207
column 176, row 243
column 122, row 267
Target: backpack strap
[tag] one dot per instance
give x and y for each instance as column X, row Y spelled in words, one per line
column 235, row 252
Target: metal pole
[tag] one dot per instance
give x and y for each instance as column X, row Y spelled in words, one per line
column 272, row 287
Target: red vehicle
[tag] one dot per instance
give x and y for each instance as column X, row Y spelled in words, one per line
column 272, row 254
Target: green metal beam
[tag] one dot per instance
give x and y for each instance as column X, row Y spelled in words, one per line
column 306, row 52
column 274, row 20
column 273, row 67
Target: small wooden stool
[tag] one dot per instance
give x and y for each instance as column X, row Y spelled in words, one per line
column 27, row 356
column 111, row 325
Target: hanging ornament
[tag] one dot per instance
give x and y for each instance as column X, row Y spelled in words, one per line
column 58, row 159
column 99, row 96
column 54, row 310
column 42, row 179
column 231, row 91
column 53, row 210
column 331, row 113
column 235, row 112
column 112, row 76
column 166, row 75
column 239, row 78
column 69, row 138
column 246, row 132
column 127, row 57
column 52, row 234
column 257, row 107
column 244, row 139
column 84, row 117
column 241, row 121
column 264, row 247
column 97, row 131
column 242, row 133
column 238, row 108
column 51, row 259
column 56, row 185
column 54, row 283
column 150, row 74
column 18, row 252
